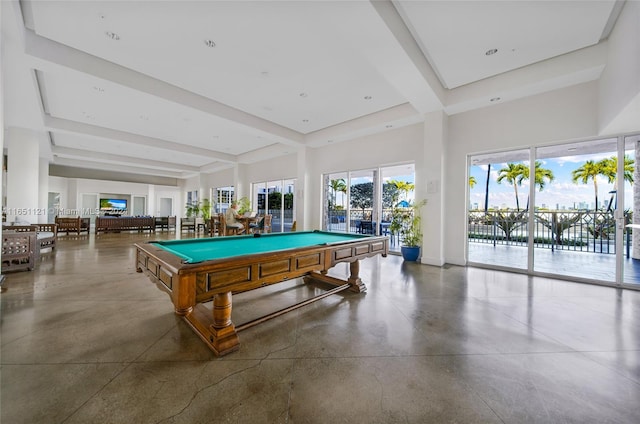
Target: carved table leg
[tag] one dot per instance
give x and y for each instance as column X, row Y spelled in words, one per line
column 224, row 338
column 354, row 279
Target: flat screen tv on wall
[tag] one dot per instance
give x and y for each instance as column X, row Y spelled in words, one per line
column 113, row 205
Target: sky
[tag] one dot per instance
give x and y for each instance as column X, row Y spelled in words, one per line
column 562, row 192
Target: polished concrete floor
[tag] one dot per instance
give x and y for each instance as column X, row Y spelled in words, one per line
column 86, row 339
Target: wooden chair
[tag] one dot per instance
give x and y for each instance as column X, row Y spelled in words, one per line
column 75, row 224
column 265, row 225
column 225, row 229
column 214, row 226
column 257, row 225
column 20, row 250
column 188, row 224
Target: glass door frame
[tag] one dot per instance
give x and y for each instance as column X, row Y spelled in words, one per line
column 618, row 211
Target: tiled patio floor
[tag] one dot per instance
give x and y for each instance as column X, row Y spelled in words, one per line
column 593, row 266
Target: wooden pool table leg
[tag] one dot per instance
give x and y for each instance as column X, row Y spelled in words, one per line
column 354, row 279
column 224, row 338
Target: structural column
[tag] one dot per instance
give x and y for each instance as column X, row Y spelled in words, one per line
column 43, row 189
column 23, row 170
column 301, row 209
column 429, row 177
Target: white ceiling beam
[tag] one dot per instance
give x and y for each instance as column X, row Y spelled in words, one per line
column 52, row 52
column 99, row 156
column 215, row 167
column 73, row 127
column 76, row 163
column 384, row 120
column 264, row 153
column 404, row 65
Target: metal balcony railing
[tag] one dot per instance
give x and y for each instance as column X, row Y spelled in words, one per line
column 584, row 231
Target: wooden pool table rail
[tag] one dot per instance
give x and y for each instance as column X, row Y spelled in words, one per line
column 192, row 285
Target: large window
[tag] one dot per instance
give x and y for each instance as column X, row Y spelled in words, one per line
column 362, row 201
column 498, row 210
column 565, row 209
column 275, row 198
column 223, row 198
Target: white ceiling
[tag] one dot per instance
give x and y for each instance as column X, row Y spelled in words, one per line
column 281, row 76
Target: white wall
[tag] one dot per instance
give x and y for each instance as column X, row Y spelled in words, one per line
column 552, row 117
column 71, row 190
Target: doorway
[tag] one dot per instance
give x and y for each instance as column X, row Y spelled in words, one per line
column 575, row 217
column 166, row 206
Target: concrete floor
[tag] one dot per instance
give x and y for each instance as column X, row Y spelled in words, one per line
column 86, row 339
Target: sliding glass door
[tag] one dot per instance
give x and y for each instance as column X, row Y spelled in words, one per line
column 362, row 201
column 498, row 232
column 575, row 210
column 631, row 194
column 276, row 198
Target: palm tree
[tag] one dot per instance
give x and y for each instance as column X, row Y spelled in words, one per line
column 542, row 174
column 589, row 171
column 337, row 186
column 404, row 187
column 472, row 182
column 486, row 189
column 610, row 170
column 513, row 174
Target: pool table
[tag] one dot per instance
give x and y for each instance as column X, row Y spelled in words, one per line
column 197, row 271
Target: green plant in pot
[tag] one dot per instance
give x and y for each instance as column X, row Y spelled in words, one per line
column 244, row 205
column 193, row 209
column 206, row 209
column 406, row 222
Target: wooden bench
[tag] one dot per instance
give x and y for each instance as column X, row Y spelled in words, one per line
column 130, row 223
column 165, row 222
column 73, row 224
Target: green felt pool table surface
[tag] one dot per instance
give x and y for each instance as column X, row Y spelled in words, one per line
column 204, row 249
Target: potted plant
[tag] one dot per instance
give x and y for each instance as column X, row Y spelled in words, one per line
column 406, row 222
column 193, row 209
column 206, row 209
column 244, row 205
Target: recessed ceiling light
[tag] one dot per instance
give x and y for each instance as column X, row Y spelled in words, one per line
column 112, row 35
column 495, row 99
column 367, row 97
column 209, row 43
column 491, row 51
column 304, row 95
